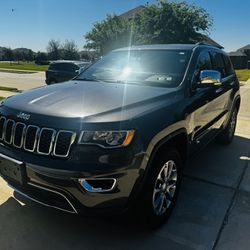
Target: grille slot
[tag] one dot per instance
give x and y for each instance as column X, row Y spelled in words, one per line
column 8, row 131
column 64, row 139
column 31, row 138
column 18, row 135
column 2, row 122
column 45, row 141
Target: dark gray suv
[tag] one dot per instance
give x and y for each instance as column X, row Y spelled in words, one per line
column 116, row 137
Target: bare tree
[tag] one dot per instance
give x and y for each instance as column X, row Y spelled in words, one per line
column 70, row 50
column 54, row 49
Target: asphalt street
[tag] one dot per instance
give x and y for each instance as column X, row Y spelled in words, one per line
column 212, row 211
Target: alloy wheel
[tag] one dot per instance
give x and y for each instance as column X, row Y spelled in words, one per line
column 165, row 188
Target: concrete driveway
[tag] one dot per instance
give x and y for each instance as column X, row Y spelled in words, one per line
column 22, row 81
column 212, row 212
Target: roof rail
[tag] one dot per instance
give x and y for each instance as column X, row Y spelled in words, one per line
column 209, row 44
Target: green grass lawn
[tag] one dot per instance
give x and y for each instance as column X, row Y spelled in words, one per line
column 23, row 66
column 243, row 74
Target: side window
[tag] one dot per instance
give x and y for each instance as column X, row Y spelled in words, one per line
column 203, row 63
column 70, row 67
column 56, row 66
column 64, row 67
column 218, row 63
column 228, row 66
column 52, row 66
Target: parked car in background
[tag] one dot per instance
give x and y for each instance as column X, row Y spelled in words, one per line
column 61, row 71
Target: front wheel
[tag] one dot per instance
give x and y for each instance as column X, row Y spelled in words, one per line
column 227, row 135
column 161, row 188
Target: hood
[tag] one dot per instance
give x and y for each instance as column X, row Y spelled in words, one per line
column 87, row 99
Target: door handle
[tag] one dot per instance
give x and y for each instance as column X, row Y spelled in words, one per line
column 231, row 83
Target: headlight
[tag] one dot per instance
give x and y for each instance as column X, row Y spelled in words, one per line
column 107, row 139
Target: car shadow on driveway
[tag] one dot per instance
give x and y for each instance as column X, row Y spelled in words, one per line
column 207, row 191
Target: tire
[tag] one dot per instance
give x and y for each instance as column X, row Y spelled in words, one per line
column 161, row 188
column 227, row 135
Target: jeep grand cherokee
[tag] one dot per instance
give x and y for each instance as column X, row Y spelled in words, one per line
column 117, row 136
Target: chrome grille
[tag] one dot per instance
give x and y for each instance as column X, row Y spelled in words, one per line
column 45, row 141
column 31, row 138
column 64, row 139
column 8, row 131
column 2, row 122
column 19, row 134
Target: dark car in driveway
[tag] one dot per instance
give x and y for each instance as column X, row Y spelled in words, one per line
column 116, row 137
column 61, row 71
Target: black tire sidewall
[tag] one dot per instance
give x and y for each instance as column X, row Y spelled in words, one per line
column 231, row 136
column 225, row 138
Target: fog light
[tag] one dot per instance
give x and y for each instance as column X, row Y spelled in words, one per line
column 98, row 185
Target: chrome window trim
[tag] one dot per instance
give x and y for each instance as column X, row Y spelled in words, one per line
column 11, row 135
column 23, row 135
column 72, row 141
column 2, row 137
column 51, row 142
column 35, row 141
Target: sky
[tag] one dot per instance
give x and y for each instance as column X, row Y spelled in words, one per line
column 32, row 23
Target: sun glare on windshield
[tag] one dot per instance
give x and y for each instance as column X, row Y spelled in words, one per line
column 125, row 73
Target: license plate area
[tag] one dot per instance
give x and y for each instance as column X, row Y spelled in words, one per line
column 13, row 171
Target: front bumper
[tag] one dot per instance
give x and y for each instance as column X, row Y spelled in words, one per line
column 59, row 187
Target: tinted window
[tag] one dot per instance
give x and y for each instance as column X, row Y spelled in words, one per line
column 228, row 66
column 52, row 66
column 153, row 67
column 218, row 63
column 70, row 67
column 203, row 63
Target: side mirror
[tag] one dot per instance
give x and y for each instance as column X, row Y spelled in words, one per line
column 209, row 78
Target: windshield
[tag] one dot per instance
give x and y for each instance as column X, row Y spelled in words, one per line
column 149, row 67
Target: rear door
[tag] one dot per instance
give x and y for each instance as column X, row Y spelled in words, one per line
column 221, row 64
column 230, row 83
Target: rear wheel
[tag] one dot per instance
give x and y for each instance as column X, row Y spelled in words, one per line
column 161, row 189
column 227, row 135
